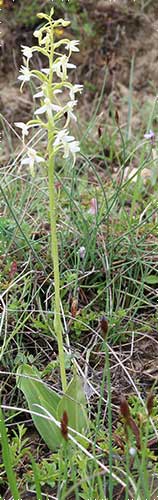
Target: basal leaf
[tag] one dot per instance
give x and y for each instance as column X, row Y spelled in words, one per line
column 36, row 392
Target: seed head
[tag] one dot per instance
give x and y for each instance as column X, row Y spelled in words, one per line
column 124, row 408
column 64, row 424
column 150, row 402
column 104, row 326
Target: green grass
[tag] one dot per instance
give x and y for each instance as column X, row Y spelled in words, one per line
column 112, row 279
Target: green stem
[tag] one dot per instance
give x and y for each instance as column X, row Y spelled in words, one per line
column 55, row 259
column 54, row 241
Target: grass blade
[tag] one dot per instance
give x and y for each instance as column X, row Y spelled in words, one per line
column 7, row 458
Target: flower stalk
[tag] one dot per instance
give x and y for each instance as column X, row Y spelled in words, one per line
column 54, row 240
column 55, row 259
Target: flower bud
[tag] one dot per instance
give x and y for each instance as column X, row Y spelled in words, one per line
column 104, row 326
column 64, row 424
column 150, row 402
column 124, row 408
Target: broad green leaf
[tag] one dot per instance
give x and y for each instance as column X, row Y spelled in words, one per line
column 74, row 403
column 152, row 279
column 36, row 392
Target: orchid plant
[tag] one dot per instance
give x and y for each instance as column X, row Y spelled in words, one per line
column 57, row 98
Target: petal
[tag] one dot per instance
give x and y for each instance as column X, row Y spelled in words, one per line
column 39, row 94
column 55, row 107
column 25, row 161
column 39, row 159
column 41, row 110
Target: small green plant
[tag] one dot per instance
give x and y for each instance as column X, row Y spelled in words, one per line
column 58, row 99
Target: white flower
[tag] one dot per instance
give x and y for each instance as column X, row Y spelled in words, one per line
column 82, row 252
column 68, row 109
column 47, row 107
column 23, row 127
column 31, row 159
column 72, row 147
column 61, row 66
column 26, row 74
column 68, row 143
column 41, row 93
column 72, row 46
column 37, row 33
column 63, row 136
column 75, row 88
column 27, row 51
